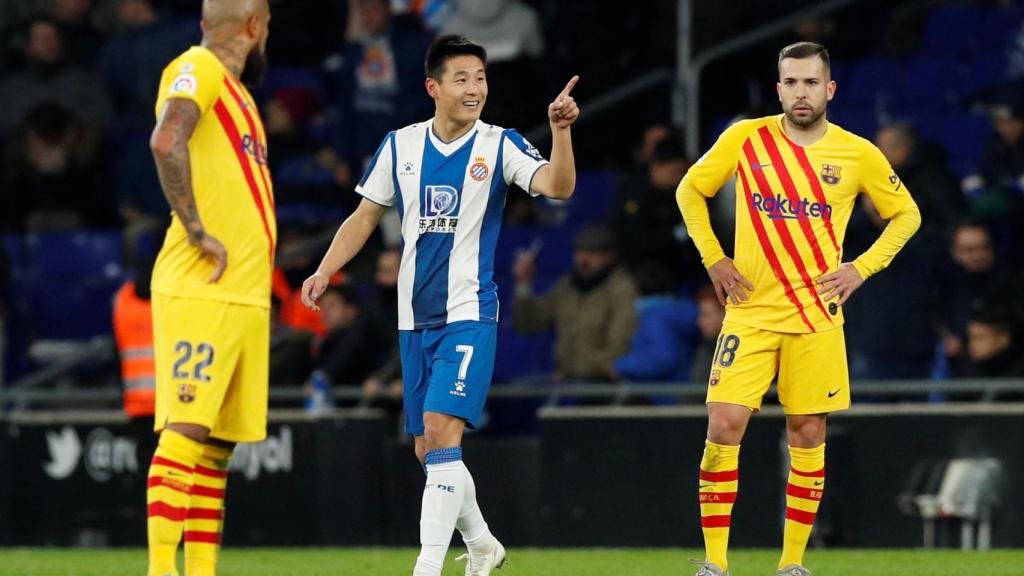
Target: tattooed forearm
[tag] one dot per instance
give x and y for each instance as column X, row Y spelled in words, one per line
column 173, row 163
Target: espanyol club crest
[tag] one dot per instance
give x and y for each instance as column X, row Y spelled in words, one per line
column 830, row 173
column 479, row 170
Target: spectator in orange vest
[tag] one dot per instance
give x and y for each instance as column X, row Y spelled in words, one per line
column 133, row 332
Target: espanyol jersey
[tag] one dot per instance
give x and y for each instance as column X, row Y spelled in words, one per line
column 450, row 198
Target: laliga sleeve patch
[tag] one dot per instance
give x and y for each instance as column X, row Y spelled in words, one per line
column 184, row 84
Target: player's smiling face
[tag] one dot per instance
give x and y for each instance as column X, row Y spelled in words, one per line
column 805, row 88
column 461, row 92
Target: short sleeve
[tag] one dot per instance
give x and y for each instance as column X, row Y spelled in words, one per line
column 880, row 182
column 718, row 165
column 194, row 76
column 520, row 160
column 378, row 182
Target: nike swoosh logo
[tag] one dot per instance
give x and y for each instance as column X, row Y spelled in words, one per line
column 832, row 393
column 819, row 482
column 705, row 485
column 760, row 166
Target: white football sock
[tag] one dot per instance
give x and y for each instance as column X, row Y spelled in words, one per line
column 442, row 501
column 471, row 522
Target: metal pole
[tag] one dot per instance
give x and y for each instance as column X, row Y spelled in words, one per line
column 684, row 57
column 730, row 46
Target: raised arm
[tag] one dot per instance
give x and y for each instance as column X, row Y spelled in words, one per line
column 348, row 241
column 169, row 144
column 558, row 179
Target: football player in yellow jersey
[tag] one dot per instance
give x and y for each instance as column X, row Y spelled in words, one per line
column 211, row 281
column 798, row 178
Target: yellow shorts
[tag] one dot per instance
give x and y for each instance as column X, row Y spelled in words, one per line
column 811, row 369
column 212, row 366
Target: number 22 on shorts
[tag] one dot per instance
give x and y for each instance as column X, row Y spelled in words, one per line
column 204, row 358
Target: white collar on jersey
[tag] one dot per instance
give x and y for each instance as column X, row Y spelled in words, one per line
column 447, row 148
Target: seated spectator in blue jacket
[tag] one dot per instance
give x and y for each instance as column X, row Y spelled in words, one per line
column 710, row 317
column 666, row 330
column 379, row 84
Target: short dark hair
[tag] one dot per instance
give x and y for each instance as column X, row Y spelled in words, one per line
column 801, row 50
column 450, row 46
column 999, row 318
column 346, row 292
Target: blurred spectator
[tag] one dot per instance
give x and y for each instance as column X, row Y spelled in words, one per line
column 53, row 180
column 509, row 29
column 970, row 281
column 591, row 308
column 133, row 332
column 922, row 168
column 130, row 63
column 710, row 316
column 81, row 38
column 890, row 337
column 47, row 77
column 511, row 32
column 382, row 312
column 379, row 82
column 666, row 329
column 295, row 261
column 346, row 354
column 5, row 276
column 996, row 193
column 993, row 345
column 290, row 358
column 646, row 217
column 1002, row 164
column 300, row 175
column 135, row 55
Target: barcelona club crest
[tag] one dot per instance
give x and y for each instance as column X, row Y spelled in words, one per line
column 186, row 393
column 715, row 377
column 830, row 173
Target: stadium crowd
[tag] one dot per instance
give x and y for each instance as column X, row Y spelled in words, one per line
column 622, row 289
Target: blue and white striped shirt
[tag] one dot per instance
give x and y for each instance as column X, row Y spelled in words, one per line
column 450, row 198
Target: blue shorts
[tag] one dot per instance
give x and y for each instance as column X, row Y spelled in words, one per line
column 447, row 370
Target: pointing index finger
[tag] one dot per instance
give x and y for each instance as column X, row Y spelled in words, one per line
column 568, row 87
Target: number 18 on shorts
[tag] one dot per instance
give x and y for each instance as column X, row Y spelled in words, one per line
column 811, row 369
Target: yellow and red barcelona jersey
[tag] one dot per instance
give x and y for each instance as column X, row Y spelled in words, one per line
column 231, row 184
column 793, row 204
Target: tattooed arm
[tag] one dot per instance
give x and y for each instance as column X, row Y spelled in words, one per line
column 169, row 144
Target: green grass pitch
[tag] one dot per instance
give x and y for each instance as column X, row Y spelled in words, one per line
column 522, row 562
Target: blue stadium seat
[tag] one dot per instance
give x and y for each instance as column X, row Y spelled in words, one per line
column 595, row 192
column 69, row 282
column 926, row 82
column 951, row 29
column 870, row 79
column 859, row 120
column 71, row 253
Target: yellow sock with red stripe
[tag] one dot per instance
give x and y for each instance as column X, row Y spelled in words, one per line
column 719, row 481
column 803, row 494
column 167, row 496
column 205, row 519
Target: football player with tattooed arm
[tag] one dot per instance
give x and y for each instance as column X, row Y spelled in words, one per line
column 799, row 177
column 211, row 281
